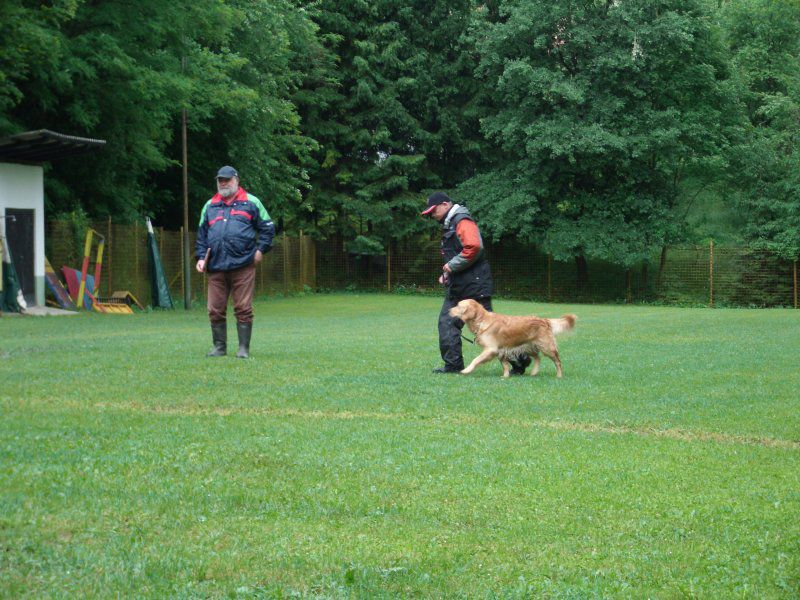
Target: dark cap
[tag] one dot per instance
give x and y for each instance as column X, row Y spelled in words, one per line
column 434, row 200
column 227, row 173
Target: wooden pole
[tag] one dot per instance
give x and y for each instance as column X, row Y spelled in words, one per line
column 108, row 268
column 187, row 296
column 302, row 264
column 314, row 264
column 628, row 277
column 183, row 277
column 389, row 267
column 711, row 273
column 285, row 265
column 261, row 270
column 136, row 258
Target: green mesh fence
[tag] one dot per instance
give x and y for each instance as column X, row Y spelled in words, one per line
column 697, row 275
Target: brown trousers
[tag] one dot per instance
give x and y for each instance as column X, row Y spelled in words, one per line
column 239, row 284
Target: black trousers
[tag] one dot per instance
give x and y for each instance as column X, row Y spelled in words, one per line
column 450, row 338
column 450, row 334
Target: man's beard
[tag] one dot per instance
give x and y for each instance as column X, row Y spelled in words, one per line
column 227, row 192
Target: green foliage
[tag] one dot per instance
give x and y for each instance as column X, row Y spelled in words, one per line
column 30, row 47
column 598, row 111
column 391, row 119
column 363, row 245
column 259, row 132
column 124, row 71
column 592, row 129
column 764, row 36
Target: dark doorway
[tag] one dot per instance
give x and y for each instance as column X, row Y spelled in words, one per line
column 19, row 232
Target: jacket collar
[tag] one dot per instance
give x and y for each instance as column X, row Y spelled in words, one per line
column 456, row 209
column 240, row 196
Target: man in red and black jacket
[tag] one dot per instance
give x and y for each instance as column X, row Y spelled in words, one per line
column 465, row 274
column 235, row 232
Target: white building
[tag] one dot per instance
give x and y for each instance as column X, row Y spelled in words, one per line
column 22, row 199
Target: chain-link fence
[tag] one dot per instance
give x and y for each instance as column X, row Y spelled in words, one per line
column 701, row 275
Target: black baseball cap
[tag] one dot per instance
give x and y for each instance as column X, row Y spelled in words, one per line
column 227, row 173
column 434, row 200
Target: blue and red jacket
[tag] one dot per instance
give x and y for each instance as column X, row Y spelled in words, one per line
column 234, row 229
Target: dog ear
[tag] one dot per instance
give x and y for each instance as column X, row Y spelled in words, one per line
column 469, row 310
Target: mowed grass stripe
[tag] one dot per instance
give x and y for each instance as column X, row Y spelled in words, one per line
column 675, row 434
column 452, row 418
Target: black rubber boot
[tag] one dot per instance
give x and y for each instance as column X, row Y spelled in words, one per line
column 244, row 330
column 219, row 333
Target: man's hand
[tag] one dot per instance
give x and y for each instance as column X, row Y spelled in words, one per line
column 444, row 278
column 201, row 266
column 258, row 256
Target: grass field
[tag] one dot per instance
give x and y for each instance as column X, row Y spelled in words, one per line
column 665, row 464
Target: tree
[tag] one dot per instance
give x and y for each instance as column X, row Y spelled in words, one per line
column 395, row 120
column 30, row 49
column 764, row 36
column 123, row 71
column 600, row 112
column 247, row 117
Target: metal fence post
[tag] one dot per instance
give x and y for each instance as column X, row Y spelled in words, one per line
column 711, row 273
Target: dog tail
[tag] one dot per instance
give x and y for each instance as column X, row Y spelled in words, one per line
column 565, row 323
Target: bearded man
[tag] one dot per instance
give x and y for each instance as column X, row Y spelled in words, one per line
column 235, row 232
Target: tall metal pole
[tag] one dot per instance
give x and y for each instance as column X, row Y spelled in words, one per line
column 187, row 292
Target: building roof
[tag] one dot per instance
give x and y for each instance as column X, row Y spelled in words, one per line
column 44, row 145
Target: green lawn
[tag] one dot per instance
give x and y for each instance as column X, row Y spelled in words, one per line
column 333, row 463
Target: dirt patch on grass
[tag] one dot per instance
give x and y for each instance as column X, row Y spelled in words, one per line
column 607, row 429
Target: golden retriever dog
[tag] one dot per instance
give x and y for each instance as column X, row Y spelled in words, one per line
column 506, row 336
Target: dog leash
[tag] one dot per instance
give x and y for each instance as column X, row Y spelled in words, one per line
column 466, row 338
